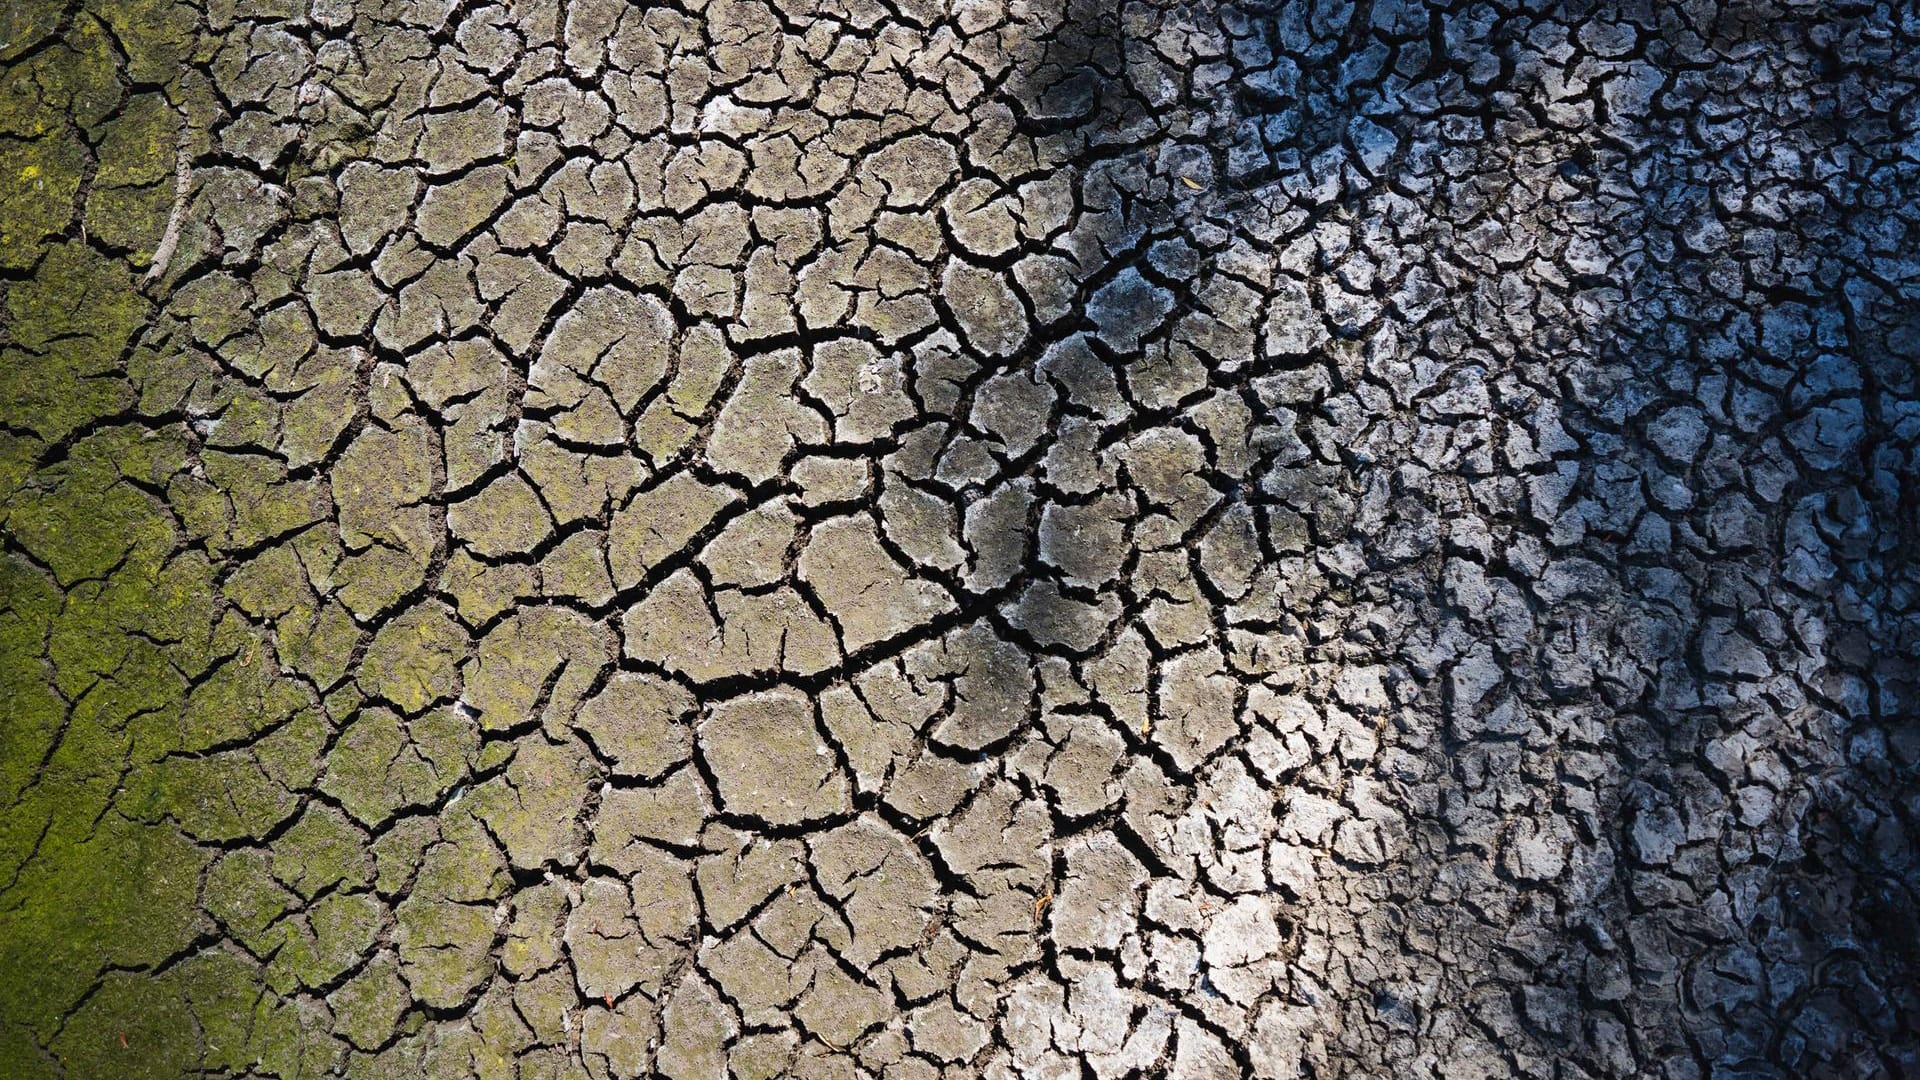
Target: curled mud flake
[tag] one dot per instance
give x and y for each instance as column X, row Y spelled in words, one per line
column 176, row 218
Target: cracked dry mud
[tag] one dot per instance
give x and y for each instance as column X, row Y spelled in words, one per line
column 1051, row 538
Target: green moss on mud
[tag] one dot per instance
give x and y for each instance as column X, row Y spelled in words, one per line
column 116, row 652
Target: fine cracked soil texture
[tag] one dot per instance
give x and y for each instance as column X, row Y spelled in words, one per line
column 959, row 538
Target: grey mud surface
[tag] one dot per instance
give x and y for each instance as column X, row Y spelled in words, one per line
column 959, row 538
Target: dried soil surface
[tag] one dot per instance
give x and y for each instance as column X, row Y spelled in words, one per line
column 984, row 538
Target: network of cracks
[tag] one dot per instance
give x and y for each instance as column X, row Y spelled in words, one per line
column 827, row 538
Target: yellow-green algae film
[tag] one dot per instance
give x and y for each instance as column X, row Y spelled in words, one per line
column 146, row 725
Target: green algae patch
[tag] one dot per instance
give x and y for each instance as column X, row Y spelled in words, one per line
column 413, row 661
column 67, row 327
column 38, row 181
column 111, row 625
column 125, row 896
column 128, row 1029
column 101, row 629
column 134, row 184
column 25, row 24
column 94, row 640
